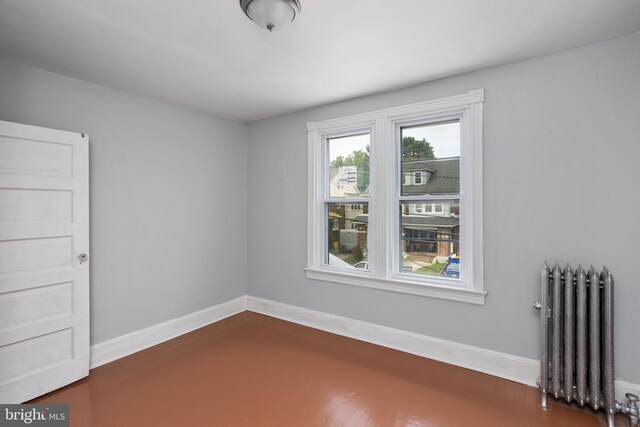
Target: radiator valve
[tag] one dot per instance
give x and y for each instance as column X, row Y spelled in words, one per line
column 631, row 409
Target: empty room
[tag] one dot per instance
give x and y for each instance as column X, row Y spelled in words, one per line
column 358, row 213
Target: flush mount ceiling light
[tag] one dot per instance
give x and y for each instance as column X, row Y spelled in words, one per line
column 271, row 14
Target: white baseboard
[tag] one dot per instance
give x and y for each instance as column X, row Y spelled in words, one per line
column 514, row 368
column 501, row 365
column 624, row 387
column 125, row 345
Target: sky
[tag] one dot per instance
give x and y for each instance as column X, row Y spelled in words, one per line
column 347, row 145
column 445, row 139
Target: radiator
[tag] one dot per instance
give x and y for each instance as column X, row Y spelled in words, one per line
column 577, row 340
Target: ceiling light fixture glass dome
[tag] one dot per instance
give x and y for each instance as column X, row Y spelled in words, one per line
column 271, row 14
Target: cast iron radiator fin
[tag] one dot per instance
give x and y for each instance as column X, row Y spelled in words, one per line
column 577, row 340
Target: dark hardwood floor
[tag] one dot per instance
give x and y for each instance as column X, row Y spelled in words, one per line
column 253, row 370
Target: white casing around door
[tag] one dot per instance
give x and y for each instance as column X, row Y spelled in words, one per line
column 44, row 286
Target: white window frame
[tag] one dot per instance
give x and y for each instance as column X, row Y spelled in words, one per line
column 383, row 226
column 417, row 174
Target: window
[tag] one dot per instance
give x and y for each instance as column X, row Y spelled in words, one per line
column 432, row 147
column 417, row 180
column 395, row 199
column 346, row 179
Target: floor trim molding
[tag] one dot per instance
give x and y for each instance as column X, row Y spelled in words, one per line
column 116, row 348
column 501, row 365
column 624, row 387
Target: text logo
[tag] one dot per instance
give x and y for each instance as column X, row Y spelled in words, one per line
column 34, row 415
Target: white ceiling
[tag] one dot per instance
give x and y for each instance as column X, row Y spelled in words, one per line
column 206, row 54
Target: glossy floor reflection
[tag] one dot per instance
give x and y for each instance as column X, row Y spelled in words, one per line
column 253, row 370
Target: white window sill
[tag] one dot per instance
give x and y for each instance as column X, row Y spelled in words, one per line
column 401, row 285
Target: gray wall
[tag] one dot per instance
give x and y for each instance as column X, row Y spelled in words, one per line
column 561, row 164
column 168, row 197
column 169, row 191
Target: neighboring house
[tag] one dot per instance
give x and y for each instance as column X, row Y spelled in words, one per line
column 430, row 230
column 433, row 176
column 341, row 216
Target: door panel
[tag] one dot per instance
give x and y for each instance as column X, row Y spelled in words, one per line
column 35, row 304
column 35, row 206
column 26, row 356
column 36, row 254
column 44, row 288
column 28, row 156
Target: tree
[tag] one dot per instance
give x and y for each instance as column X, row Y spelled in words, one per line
column 413, row 149
column 339, row 162
column 358, row 255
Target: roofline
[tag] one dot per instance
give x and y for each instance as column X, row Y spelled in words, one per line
column 432, row 160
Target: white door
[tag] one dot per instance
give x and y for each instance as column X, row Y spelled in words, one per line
column 44, row 278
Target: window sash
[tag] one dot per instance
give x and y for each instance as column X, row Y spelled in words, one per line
column 328, row 200
column 434, row 119
column 326, row 175
column 327, row 229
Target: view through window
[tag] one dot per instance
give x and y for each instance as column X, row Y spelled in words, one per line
column 429, row 211
column 347, row 205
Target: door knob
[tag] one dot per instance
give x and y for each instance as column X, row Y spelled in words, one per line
column 83, row 258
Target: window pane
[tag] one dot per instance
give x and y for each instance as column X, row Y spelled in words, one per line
column 430, row 242
column 431, row 159
column 349, row 166
column 347, row 226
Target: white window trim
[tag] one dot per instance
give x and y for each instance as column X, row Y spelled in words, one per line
column 383, row 204
column 417, row 174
